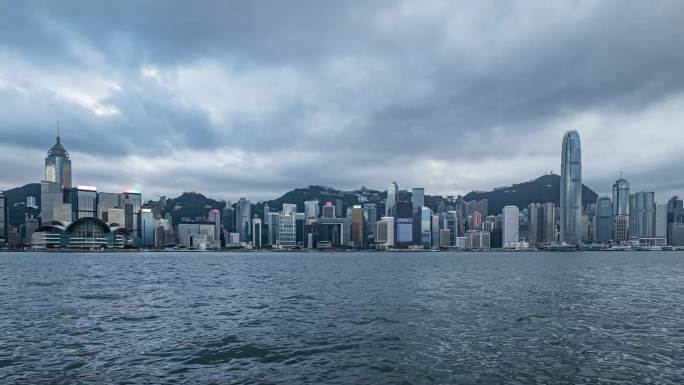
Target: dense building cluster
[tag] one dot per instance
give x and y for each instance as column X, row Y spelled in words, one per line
column 82, row 217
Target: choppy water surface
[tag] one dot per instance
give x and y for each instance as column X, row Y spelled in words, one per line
column 373, row 318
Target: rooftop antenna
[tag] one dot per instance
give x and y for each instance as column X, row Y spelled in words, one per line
column 58, row 130
column 620, row 173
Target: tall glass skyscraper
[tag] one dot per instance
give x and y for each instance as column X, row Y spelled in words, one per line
column 603, row 220
column 391, row 201
column 620, row 210
column 58, row 166
column 571, row 189
column 621, row 197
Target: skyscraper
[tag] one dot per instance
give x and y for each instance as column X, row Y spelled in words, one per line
column 3, row 218
column 603, row 220
column 357, row 225
column 511, row 226
column 214, row 216
column 328, row 210
column 58, row 165
column 571, row 189
column 311, row 209
column 132, row 201
column 243, row 219
column 417, row 197
column 403, row 224
column 621, row 197
column 391, row 201
column 147, row 227
column 425, row 227
column 256, row 233
column 641, row 214
column 660, row 221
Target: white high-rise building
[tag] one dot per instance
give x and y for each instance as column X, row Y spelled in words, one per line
column 289, row 209
column 511, row 226
column 390, row 230
column 391, row 202
column 311, row 209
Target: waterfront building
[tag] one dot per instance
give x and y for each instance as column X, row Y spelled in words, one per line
column 444, row 238
column 621, row 228
column 660, row 221
column 58, row 166
column 621, row 201
column 391, row 201
column 115, row 217
column 404, row 224
column 390, row 230
column 370, row 216
column 675, row 234
column 214, row 216
column 4, row 218
column 357, row 226
column 435, row 221
column 287, row 232
column 106, row 201
column 54, row 204
column 621, row 197
column 452, row 224
column 84, row 233
column 571, row 189
column 163, row 233
column 273, row 228
column 332, row 232
column 587, row 233
column 511, row 226
column 300, row 229
column 603, row 220
column 195, row 235
column 641, row 214
column 243, row 216
column 380, row 233
column 132, row 201
column 541, row 219
column 477, row 240
column 147, row 227
column 83, row 201
column 425, row 227
column 675, row 222
column 675, row 210
column 229, row 219
column 535, row 223
column 461, row 243
column 256, row 233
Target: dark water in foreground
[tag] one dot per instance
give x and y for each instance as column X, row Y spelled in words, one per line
column 342, row 318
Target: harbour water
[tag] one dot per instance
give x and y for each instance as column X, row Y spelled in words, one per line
column 342, row 318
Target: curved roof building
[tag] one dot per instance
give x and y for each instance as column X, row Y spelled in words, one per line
column 571, row 189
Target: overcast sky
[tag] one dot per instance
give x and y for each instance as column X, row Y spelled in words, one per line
column 255, row 98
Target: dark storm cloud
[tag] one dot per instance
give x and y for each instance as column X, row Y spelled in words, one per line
column 250, row 98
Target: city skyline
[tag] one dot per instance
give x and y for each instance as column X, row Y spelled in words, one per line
column 299, row 97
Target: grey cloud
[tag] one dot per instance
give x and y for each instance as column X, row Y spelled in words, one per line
column 452, row 82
